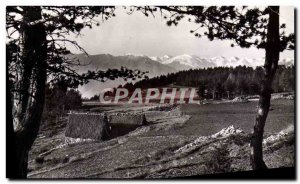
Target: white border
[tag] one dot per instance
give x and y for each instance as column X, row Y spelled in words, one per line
column 150, row 2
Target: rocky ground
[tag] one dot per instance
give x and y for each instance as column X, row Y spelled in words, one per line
column 143, row 154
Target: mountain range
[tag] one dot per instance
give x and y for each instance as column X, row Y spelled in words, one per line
column 106, row 61
column 155, row 66
column 186, row 61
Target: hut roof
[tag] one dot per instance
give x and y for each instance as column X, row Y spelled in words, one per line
column 130, row 119
column 87, row 126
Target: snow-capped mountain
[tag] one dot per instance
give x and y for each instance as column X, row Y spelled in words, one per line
column 251, row 62
column 107, row 61
column 185, row 61
column 160, row 59
column 236, row 61
column 131, row 61
column 155, row 66
column 188, row 60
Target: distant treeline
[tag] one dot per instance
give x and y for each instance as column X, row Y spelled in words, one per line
column 222, row 82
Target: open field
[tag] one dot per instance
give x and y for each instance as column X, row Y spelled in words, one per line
column 211, row 118
column 178, row 141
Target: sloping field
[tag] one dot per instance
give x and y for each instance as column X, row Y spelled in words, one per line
column 211, row 118
column 170, row 145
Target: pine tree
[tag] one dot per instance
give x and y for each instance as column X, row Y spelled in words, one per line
column 246, row 27
column 36, row 53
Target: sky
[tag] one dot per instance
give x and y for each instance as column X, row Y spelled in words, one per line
column 141, row 35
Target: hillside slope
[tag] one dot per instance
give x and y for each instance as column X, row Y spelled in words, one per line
column 140, row 154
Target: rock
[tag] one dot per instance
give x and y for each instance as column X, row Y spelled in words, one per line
column 225, row 132
column 280, row 137
column 240, row 99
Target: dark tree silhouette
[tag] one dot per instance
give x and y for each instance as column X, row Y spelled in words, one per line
column 246, row 27
column 228, row 80
column 36, row 53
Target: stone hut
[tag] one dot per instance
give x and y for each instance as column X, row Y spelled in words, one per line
column 87, row 126
column 122, row 123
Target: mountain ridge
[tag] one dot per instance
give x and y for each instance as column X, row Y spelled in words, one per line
column 155, row 65
column 108, row 61
column 192, row 61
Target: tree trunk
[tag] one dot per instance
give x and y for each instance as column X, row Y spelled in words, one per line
column 10, row 135
column 270, row 66
column 34, row 43
column 30, row 41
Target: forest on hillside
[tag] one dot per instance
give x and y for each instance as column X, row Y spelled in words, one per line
column 222, row 82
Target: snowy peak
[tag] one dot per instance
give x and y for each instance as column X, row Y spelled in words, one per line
column 231, row 62
column 160, row 59
column 185, row 61
column 135, row 55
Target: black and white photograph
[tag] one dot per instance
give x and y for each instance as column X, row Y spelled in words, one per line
column 150, row 92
